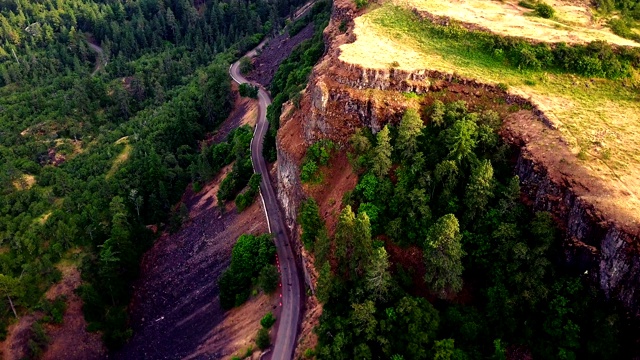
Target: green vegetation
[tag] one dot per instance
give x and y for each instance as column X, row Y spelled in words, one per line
column 268, row 320
column 317, row 155
column 597, row 58
column 453, row 196
column 90, row 154
column 625, row 27
column 527, row 4
column 242, row 171
column 249, row 256
column 544, row 10
column 627, row 24
column 38, row 341
column 245, row 199
column 319, row 8
column 262, row 340
column 246, row 66
column 53, row 310
column 247, row 354
column 582, row 105
column 540, row 8
column 310, row 221
column 629, row 8
column 292, row 75
column 269, row 279
column 247, row 90
column 361, row 4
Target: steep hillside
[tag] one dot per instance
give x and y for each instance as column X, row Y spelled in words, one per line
column 104, row 110
column 346, row 94
column 569, row 110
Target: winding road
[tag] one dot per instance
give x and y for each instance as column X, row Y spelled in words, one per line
column 100, row 63
column 291, row 295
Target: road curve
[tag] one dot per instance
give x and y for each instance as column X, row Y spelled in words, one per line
column 291, row 298
column 99, row 57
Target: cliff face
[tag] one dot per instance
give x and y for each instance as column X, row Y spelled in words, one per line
column 605, row 250
column 341, row 98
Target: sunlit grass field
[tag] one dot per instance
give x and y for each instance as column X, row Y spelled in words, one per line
column 598, row 118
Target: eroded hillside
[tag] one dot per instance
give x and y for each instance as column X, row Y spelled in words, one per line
column 573, row 126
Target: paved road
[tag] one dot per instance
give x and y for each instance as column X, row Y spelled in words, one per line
column 291, row 297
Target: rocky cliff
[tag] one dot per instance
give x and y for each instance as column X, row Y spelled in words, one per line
column 341, row 98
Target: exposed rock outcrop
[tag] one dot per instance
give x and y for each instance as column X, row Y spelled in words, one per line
column 342, row 97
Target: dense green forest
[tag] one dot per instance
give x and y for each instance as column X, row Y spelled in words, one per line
column 98, row 141
column 490, row 278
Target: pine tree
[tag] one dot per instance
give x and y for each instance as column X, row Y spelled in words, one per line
column 378, row 278
column 382, row 153
column 361, row 245
column 479, row 189
column 410, row 129
column 343, row 239
column 443, row 256
column 460, row 139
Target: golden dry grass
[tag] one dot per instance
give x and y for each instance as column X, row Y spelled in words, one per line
column 571, row 24
column 24, row 182
column 251, row 115
column 598, row 118
column 43, row 218
column 122, row 157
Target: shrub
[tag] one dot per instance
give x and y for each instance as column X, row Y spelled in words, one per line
column 308, row 172
column 309, row 353
column 343, row 26
column 317, row 155
column 544, row 10
column 54, row 310
column 297, row 26
column 269, row 278
column 196, row 187
column 246, row 65
column 527, row 4
column 263, row 341
column 247, row 90
column 310, row 221
column 268, row 320
column 244, row 200
column 361, row 3
column 38, row 341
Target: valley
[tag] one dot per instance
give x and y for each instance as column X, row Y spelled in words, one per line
column 448, row 179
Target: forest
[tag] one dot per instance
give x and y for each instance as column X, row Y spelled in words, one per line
column 104, row 108
column 490, row 280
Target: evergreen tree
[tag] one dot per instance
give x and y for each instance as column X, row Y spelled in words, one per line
column 443, row 256
column 344, row 239
column 378, row 278
column 381, row 161
column 361, row 245
column 479, row 189
column 410, row 129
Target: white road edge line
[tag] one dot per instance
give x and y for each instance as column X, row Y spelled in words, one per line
column 255, row 128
